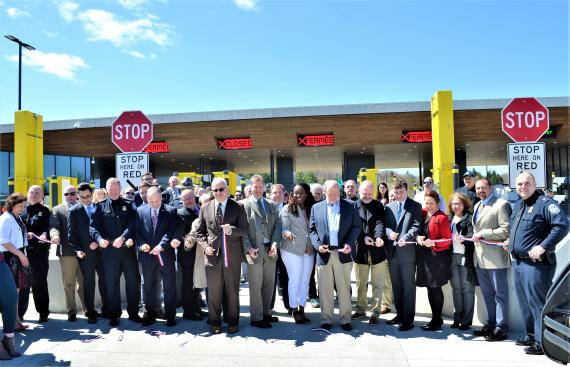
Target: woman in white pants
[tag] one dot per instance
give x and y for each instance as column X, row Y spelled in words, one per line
column 296, row 249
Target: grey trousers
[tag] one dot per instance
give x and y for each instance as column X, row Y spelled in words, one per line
column 463, row 291
column 261, row 285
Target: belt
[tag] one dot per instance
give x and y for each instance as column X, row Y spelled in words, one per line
column 267, row 244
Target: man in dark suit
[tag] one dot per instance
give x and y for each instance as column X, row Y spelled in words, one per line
column 154, row 236
column 222, row 218
column 172, row 192
column 369, row 253
column 70, row 272
column 140, row 197
column 187, row 256
column 113, row 227
column 334, row 227
column 88, row 251
column 403, row 221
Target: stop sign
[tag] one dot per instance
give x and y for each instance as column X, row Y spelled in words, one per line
column 131, row 132
column 525, row 120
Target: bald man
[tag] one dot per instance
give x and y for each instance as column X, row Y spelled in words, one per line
column 155, row 240
column 36, row 217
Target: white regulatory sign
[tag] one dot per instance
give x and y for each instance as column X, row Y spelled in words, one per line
column 529, row 157
column 131, row 166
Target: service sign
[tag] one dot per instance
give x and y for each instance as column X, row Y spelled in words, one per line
column 131, row 166
column 319, row 140
column 234, row 143
column 423, row 136
column 530, row 157
column 157, row 147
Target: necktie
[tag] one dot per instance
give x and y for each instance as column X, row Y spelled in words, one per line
column 89, row 211
column 399, row 211
column 261, row 209
column 154, row 219
column 479, row 209
column 219, row 215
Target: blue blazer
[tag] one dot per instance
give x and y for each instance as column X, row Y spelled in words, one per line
column 166, row 226
column 349, row 228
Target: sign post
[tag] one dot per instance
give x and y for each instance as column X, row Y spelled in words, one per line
column 131, row 167
column 529, row 157
column 525, row 120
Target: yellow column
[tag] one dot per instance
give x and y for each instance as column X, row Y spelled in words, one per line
column 443, row 141
column 28, row 150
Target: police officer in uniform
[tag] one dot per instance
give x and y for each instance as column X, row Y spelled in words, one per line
column 113, row 227
column 537, row 225
column 36, row 217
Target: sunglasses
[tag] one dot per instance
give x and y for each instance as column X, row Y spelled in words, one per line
column 218, row 190
column 70, row 193
column 428, row 182
column 129, row 193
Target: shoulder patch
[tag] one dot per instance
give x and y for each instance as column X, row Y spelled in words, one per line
column 554, row 209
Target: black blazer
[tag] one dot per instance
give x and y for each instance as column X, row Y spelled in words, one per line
column 108, row 225
column 185, row 219
column 373, row 227
column 79, row 232
column 408, row 227
column 465, row 228
column 165, row 228
column 349, row 229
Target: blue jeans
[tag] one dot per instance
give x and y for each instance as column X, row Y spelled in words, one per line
column 495, row 289
column 8, row 298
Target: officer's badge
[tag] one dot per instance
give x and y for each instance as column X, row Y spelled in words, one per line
column 124, row 208
column 530, row 209
column 40, row 214
column 554, row 209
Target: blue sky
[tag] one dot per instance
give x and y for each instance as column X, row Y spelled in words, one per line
column 99, row 58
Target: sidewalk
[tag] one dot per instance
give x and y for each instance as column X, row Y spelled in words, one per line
column 61, row 343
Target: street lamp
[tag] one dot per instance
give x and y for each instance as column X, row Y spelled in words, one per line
column 20, row 45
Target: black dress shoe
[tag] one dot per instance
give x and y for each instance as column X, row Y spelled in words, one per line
column 431, row 327
column 455, row 325
column 147, row 321
column 262, row 324
column 497, row 336
column 72, row 317
column 92, row 320
column 136, row 318
column 327, row 327
column 346, row 327
column 373, row 320
column 193, row 317
column 395, row 321
column 170, row 322
column 485, row 331
column 535, row 349
column 43, row 318
column 357, row 315
column 270, row 318
column 464, row 327
column 232, row 329
column 525, row 341
column 406, row 327
column 114, row 322
column 216, row 329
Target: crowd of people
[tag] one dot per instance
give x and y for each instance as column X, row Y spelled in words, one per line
column 184, row 240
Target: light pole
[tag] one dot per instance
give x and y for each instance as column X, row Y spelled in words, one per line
column 20, row 45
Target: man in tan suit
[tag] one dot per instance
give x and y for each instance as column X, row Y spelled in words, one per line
column 260, row 245
column 218, row 218
column 491, row 218
column 70, row 272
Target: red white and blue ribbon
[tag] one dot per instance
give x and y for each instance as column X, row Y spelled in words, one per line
column 159, row 256
column 225, row 246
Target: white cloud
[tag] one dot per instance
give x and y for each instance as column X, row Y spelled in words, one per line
column 62, row 65
column 246, row 4
column 17, row 13
column 133, row 53
column 132, row 4
column 102, row 25
column 67, row 10
column 50, row 34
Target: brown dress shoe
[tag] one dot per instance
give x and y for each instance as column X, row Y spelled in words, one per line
column 233, row 329
column 384, row 310
column 216, row 329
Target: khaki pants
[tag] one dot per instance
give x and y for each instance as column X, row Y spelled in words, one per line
column 72, row 281
column 387, row 295
column 377, row 277
column 328, row 275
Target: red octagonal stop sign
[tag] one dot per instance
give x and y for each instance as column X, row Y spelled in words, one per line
column 525, row 120
column 131, row 132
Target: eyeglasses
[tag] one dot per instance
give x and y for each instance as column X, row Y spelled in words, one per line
column 218, row 190
column 428, row 182
column 86, row 197
column 70, row 193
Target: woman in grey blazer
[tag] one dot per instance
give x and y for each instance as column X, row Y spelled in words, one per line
column 296, row 249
